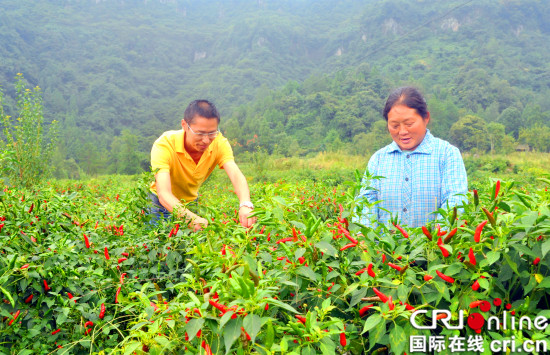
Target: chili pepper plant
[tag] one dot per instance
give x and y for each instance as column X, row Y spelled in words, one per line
column 84, row 269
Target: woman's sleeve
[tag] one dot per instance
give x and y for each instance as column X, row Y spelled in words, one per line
column 369, row 191
column 454, row 183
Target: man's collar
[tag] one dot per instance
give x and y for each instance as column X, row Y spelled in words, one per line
column 425, row 147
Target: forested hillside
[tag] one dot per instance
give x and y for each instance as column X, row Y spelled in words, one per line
column 301, row 76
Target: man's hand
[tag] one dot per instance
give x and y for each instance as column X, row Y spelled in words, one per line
column 244, row 213
column 198, row 223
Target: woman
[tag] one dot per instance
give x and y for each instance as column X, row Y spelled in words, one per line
column 420, row 173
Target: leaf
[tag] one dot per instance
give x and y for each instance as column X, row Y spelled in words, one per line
column 545, row 248
column 307, row 272
column 326, row 248
column 545, row 283
column 193, row 327
column 357, row 295
column 512, row 264
column 252, row 323
column 492, row 257
column 131, row 347
column 231, row 332
column 397, row 339
column 524, row 250
column 281, row 305
column 371, row 322
column 280, row 200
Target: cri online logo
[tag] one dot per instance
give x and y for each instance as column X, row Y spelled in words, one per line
column 476, row 321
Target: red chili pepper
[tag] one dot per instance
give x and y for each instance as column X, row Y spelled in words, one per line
column 497, row 188
column 117, row 293
column 294, row 234
column 102, row 311
column 284, row 240
column 390, row 303
column 479, row 229
column 440, row 233
column 474, row 304
column 88, row 323
column 382, row 296
column 31, row 208
column 343, row 340
column 450, row 235
column 444, row 277
column 206, row 348
column 46, row 287
column 300, row 318
column 246, row 334
column 347, row 246
column 361, row 271
column 444, row 250
column 122, row 259
column 107, row 254
column 301, row 260
column 428, row 278
column 364, row 310
column 351, row 239
column 475, row 285
column 86, row 241
column 403, row 232
column 383, row 258
column 222, row 308
column 536, row 261
column 426, row 232
column 125, row 254
column 266, row 306
column 369, row 271
column 396, row 267
column 87, row 331
column 15, row 317
column 70, row 295
column 122, row 278
column 56, row 331
column 472, row 257
column 26, row 266
column 29, row 299
column 409, row 307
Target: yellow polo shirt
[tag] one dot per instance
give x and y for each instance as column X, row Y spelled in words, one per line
column 169, row 155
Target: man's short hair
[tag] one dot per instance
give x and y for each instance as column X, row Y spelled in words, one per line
column 201, row 108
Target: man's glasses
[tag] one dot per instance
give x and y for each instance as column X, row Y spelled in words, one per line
column 209, row 135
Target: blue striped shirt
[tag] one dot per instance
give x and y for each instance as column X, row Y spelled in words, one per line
column 415, row 183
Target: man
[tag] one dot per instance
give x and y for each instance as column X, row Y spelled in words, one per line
column 182, row 160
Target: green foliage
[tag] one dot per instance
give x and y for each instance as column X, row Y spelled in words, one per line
column 240, row 290
column 27, row 151
column 470, row 132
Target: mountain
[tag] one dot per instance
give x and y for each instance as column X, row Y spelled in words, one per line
column 313, row 72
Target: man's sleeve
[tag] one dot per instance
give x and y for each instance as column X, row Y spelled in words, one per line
column 225, row 153
column 454, row 179
column 160, row 156
column 368, row 194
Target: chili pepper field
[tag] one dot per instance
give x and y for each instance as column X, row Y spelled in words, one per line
column 83, row 271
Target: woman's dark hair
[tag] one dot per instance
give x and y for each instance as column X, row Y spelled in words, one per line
column 202, row 108
column 407, row 96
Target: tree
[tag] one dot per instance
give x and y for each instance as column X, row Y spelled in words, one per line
column 537, row 137
column 125, row 157
column 470, row 132
column 511, row 118
column 27, row 158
